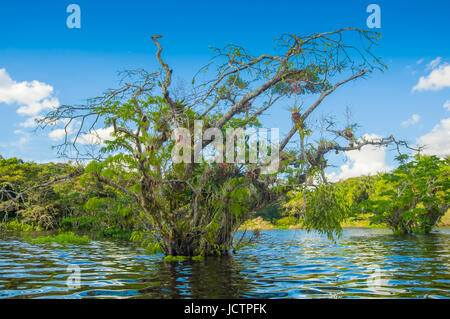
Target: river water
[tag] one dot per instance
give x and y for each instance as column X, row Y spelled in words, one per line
column 364, row 263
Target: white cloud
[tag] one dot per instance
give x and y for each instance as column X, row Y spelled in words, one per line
column 433, row 64
column 420, row 61
column 57, row 134
column 30, row 122
column 447, row 105
column 411, row 121
column 96, row 137
column 24, row 139
column 32, row 97
column 438, row 79
column 368, row 161
column 437, row 142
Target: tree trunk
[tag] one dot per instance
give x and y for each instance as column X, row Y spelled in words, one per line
column 193, row 244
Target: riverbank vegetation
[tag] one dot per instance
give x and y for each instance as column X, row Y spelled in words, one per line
column 413, row 198
column 89, row 207
column 62, row 239
column 76, row 204
column 145, row 176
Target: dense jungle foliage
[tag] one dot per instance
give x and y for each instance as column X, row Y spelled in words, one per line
column 80, row 204
column 411, row 199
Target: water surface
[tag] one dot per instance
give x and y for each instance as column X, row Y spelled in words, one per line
column 364, row 263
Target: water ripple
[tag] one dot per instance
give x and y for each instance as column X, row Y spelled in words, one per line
column 282, row 264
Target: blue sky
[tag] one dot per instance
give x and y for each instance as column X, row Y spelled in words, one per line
column 36, row 45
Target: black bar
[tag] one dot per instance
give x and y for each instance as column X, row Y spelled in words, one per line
column 229, row 308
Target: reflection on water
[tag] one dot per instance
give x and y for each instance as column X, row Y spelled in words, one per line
column 283, row 264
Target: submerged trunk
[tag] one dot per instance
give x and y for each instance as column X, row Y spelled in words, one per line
column 187, row 222
column 194, row 243
column 185, row 246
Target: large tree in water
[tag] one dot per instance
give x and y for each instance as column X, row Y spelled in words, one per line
column 195, row 206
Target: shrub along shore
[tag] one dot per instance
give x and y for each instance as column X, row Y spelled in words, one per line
column 259, row 223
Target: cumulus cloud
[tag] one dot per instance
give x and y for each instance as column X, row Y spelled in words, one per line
column 437, row 142
column 57, row 135
column 411, row 121
column 447, row 105
column 96, row 137
column 368, row 161
column 438, row 79
column 31, row 97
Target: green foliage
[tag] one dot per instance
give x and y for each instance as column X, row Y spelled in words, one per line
column 198, row 258
column 414, row 197
column 411, row 199
column 153, row 248
column 286, row 222
column 137, row 236
column 62, row 238
column 270, row 212
column 20, row 199
column 325, row 210
column 144, row 238
column 177, row 259
column 81, row 204
column 257, row 223
column 17, row 226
